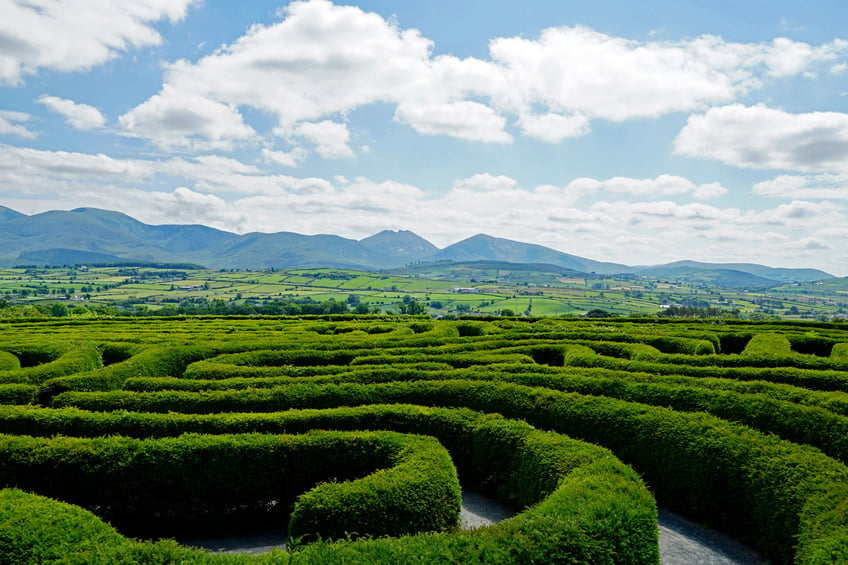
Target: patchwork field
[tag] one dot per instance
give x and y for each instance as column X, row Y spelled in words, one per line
column 442, row 290
column 354, row 434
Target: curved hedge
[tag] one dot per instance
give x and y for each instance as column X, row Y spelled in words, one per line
column 611, row 515
column 672, row 399
column 198, row 479
column 8, row 361
column 74, row 360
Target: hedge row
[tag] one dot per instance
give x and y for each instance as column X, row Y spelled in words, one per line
column 183, row 482
column 585, row 506
column 9, row 361
column 827, row 380
column 763, row 490
column 76, row 360
column 18, row 394
column 209, row 370
column 153, row 361
column 362, row 374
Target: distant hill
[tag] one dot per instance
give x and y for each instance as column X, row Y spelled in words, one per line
column 769, row 273
column 482, row 247
column 91, row 235
column 728, row 278
column 9, row 214
column 403, row 245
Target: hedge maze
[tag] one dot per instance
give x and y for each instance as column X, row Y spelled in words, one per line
column 354, row 434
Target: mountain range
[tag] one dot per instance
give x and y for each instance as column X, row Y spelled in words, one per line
column 90, row 235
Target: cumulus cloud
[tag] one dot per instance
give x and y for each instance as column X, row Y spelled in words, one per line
column 76, row 35
column 553, row 128
column 80, row 116
column 823, row 186
column 321, row 61
column 486, row 182
column 292, row 158
column 180, row 120
column 663, row 185
column 464, row 119
column 809, row 142
column 11, row 123
column 331, row 138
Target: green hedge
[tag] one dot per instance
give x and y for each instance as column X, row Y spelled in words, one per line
column 840, row 351
column 182, row 483
column 9, row 361
column 76, row 360
column 153, row 361
column 584, row 506
column 18, row 394
column 763, row 490
column 455, row 360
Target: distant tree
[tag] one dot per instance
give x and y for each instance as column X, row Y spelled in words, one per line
column 411, row 307
column 599, row 313
column 362, row 308
column 507, row 312
column 58, row 310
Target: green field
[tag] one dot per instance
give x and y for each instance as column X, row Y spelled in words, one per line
column 364, row 428
column 442, row 291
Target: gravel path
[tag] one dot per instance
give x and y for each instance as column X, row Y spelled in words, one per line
column 681, row 541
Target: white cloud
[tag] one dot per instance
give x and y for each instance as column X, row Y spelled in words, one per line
column 663, row 185
column 178, row 120
column 579, row 70
column 486, row 182
column 76, row 35
column 292, row 158
column 810, row 142
column 331, row 138
column 553, row 128
column 464, row 119
column 80, row 116
column 322, row 60
column 10, row 124
column 824, row 186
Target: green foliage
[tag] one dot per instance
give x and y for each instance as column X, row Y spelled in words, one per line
column 172, row 478
column 76, row 360
column 735, row 425
column 768, row 345
column 9, row 361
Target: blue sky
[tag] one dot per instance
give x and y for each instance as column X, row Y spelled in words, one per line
column 635, row 133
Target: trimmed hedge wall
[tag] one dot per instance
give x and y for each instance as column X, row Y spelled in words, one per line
column 611, row 517
column 194, row 480
column 155, row 361
column 75, row 360
column 8, row 361
column 765, row 491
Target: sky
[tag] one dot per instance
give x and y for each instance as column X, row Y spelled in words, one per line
column 637, row 133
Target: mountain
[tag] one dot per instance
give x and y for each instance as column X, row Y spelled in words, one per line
column 728, row 278
column 483, row 247
column 88, row 235
column 9, row 214
column 769, row 273
column 91, row 235
column 404, row 245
